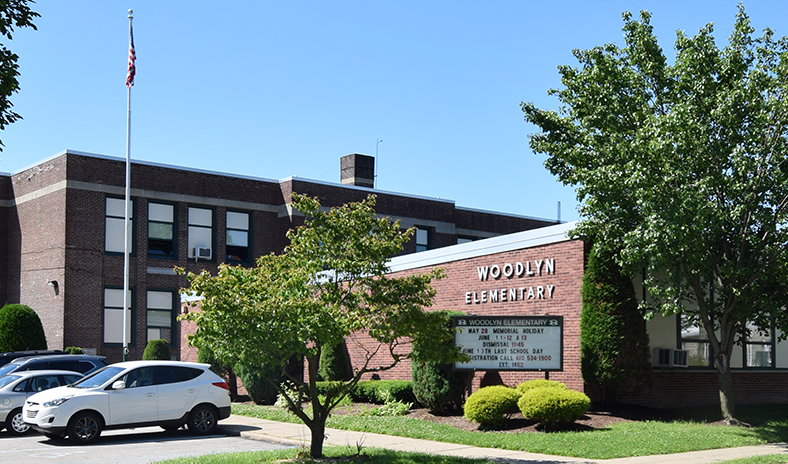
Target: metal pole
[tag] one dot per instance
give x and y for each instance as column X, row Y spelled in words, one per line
column 377, row 165
column 126, row 206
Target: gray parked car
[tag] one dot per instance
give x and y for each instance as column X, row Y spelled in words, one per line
column 16, row 387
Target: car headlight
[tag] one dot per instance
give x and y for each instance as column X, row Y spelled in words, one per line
column 57, row 402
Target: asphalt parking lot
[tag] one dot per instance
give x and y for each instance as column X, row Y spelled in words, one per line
column 134, row 446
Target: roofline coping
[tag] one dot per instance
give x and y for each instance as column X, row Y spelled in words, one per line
column 501, row 244
column 263, row 179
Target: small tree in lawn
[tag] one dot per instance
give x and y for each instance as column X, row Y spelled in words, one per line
column 330, row 284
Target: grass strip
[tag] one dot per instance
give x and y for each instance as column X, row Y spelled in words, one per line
column 338, row 454
column 619, row 440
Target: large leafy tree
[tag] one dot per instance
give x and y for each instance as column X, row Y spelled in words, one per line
column 680, row 169
column 13, row 13
column 330, row 284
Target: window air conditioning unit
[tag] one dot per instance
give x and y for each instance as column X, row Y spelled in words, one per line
column 680, row 358
column 665, row 357
column 201, row 253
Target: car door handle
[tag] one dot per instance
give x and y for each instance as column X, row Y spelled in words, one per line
column 191, row 390
column 150, row 394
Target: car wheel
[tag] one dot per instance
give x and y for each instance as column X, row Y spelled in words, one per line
column 202, row 420
column 84, row 428
column 15, row 424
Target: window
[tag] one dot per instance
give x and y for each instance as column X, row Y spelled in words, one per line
column 159, row 314
column 163, row 375
column 142, row 377
column 759, row 347
column 114, row 217
column 422, row 239
column 695, row 340
column 237, row 242
column 113, row 316
column 200, row 232
column 461, row 240
column 161, row 230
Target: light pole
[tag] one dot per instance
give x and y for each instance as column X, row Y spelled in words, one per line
column 377, row 165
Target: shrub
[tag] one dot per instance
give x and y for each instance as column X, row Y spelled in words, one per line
column 156, row 349
column 381, row 391
column 491, row 405
column 436, row 385
column 256, row 381
column 614, row 344
column 21, row 329
column 392, row 408
column 539, row 383
column 73, row 350
column 334, row 363
column 551, row 406
column 206, row 355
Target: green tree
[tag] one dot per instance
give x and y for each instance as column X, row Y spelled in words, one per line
column 21, row 329
column 330, row 284
column 13, row 13
column 680, row 169
column 614, row 345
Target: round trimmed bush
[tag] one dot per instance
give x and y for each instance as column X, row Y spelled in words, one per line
column 21, row 329
column 551, row 406
column 539, row 383
column 491, row 405
column 156, row 350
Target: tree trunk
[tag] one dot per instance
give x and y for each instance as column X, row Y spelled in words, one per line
column 318, row 429
column 725, row 378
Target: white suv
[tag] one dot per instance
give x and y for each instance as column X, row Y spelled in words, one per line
column 132, row 394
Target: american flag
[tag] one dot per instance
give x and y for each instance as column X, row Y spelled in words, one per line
column 132, row 58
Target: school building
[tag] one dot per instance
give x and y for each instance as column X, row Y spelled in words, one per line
column 62, row 237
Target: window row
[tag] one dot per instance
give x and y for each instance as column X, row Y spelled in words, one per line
column 162, row 231
column 757, row 349
column 159, row 315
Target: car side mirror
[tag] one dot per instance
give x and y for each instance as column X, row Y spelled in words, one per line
column 119, row 385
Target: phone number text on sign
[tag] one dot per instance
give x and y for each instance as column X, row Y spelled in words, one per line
column 529, row 343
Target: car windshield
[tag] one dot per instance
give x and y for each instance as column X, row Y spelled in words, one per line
column 5, row 370
column 98, row 378
column 7, row 379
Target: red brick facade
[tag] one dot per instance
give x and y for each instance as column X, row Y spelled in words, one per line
column 456, row 291
column 52, row 229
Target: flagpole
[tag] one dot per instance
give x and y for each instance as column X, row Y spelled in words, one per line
column 129, row 84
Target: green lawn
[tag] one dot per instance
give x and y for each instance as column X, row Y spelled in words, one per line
column 770, row 424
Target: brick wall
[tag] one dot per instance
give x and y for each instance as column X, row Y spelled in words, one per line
column 687, row 388
column 5, row 209
column 462, row 278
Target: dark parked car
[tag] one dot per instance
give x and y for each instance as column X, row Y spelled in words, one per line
column 9, row 356
column 82, row 363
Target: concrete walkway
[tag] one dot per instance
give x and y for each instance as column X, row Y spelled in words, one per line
column 299, row 435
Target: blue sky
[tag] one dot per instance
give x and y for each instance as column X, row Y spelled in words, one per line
column 276, row 89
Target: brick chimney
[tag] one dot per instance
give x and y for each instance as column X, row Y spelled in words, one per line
column 358, row 170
